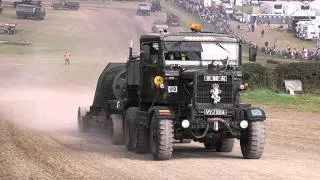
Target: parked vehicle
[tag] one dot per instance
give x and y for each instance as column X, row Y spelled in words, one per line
column 25, row 11
column 64, row 4
column 30, row 2
column 173, row 20
column 144, row 9
column 307, row 30
column 155, row 6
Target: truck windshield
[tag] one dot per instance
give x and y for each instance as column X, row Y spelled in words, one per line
column 278, row 6
column 185, row 52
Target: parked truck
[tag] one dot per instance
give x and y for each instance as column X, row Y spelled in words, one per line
column 30, row 2
column 25, row 11
column 1, row 7
column 173, row 20
column 308, row 30
column 155, row 6
column 181, row 86
column 64, row 4
column 144, row 9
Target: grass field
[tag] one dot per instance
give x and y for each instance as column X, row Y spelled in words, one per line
column 304, row 102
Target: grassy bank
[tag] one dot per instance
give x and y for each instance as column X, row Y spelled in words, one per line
column 304, row 102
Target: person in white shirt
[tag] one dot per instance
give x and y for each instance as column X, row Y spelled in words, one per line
column 305, row 53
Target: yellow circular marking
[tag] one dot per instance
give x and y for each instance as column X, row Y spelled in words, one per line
column 158, row 80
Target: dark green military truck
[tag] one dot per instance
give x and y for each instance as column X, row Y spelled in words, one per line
column 181, row 86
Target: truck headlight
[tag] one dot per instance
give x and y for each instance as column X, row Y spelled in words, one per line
column 185, row 123
column 244, row 124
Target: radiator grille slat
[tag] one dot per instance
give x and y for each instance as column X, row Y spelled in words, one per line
column 203, row 89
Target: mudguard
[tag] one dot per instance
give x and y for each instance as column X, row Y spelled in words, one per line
column 161, row 112
column 254, row 114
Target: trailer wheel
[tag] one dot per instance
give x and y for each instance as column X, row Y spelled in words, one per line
column 161, row 138
column 130, row 133
column 209, row 145
column 82, row 120
column 119, row 84
column 116, row 129
column 225, row 145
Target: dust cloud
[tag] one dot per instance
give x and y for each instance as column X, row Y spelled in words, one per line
column 42, row 108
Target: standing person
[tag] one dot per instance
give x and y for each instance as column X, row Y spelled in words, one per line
column 67, row 56
column 262, row 33
column 275, row 43
column 268, row 23
column 293, row 53
column 305, row 53
column 266, row 47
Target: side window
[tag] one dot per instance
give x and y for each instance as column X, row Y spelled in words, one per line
column 150, row 52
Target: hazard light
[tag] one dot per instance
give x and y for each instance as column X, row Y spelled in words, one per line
column 195, row 27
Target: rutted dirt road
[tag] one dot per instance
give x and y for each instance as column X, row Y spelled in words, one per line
column 39, row 99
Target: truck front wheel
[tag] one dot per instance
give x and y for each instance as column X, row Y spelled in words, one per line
column 161, row 138
column 252, row 140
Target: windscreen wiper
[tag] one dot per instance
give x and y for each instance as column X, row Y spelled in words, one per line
column 218, row 44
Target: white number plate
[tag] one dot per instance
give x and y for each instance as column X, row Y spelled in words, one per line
column 215, row 78
column 172, row 89
column 215, row 112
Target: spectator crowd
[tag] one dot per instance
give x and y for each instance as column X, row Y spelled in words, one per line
column 219, row 19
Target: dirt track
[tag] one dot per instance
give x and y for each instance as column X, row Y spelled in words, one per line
column 39, row 99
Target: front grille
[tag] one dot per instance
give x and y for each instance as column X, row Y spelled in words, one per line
column 203, row 88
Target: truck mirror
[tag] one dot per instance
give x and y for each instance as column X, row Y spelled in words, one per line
column 145, row 52
column 252, row 53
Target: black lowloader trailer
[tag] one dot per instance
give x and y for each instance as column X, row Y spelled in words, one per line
column 181, row 86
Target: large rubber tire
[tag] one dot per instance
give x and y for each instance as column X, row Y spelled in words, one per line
column 116, row 129
column 161, row 138
column 252, row 140
column 225, row 145
column 130, row 133
column 142, row 145
column 83, row 125
column 209, row 145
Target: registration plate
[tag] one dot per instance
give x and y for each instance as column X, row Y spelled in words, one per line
column 215, row 78
column 215, row 112
column 172, row 89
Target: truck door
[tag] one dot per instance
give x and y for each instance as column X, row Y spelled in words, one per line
column 149, row 68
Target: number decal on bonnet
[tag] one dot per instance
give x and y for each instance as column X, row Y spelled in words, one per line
column 172, row 89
